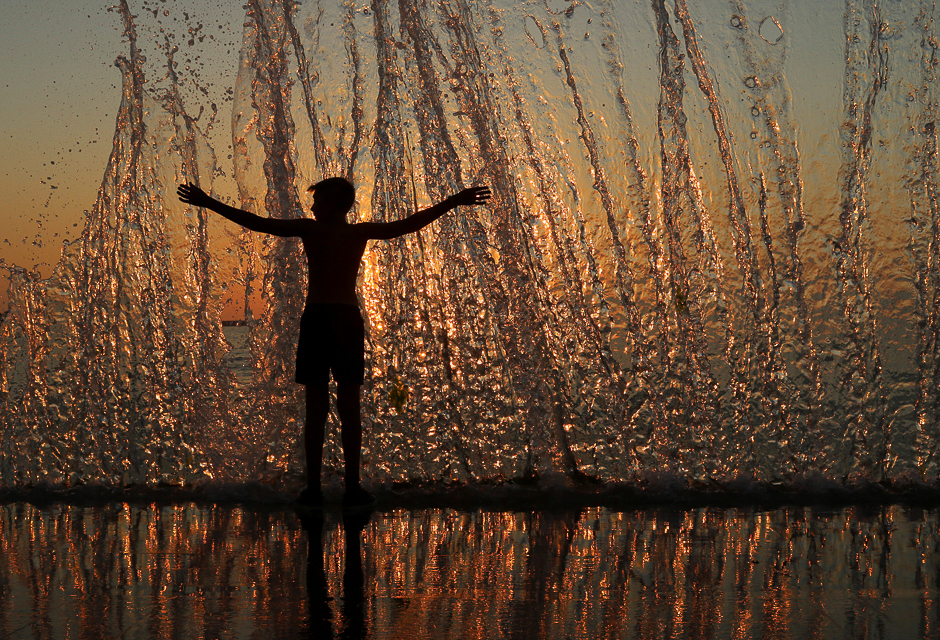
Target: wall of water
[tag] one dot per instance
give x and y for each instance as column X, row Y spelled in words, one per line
column 711, row 254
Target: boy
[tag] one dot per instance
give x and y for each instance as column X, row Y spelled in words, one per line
column 331, row 328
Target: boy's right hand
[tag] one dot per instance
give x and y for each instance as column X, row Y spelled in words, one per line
column 471, row 196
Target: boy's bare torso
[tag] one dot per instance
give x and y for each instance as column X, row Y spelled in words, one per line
column 334, row 252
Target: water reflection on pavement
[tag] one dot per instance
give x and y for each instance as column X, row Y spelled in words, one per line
column 226, row 571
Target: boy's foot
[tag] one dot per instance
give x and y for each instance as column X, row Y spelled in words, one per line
column 358, row 498
column 311, row 498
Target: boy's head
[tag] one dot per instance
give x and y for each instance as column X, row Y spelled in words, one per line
column 332, row 198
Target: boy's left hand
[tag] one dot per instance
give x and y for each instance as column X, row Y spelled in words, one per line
column 191, row 194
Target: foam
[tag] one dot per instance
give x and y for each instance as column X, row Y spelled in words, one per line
column 525, row 495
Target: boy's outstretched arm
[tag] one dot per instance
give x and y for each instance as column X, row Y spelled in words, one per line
column 414, row 222
column 191, row 194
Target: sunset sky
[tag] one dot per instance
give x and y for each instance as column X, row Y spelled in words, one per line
column 60, row 95
column 61, row 92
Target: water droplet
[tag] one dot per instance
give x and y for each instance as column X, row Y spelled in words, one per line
column 770, row 30
column 751, row 82
column 534, row 31
column 737, row 22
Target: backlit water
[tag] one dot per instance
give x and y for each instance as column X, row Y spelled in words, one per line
column 709, row 268
column 711, row 254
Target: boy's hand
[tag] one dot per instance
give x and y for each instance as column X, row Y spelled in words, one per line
column 471, row 196
column 191, row 194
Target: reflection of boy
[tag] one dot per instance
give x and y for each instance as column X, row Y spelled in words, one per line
column 331, row 328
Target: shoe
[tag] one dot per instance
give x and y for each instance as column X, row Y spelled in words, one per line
column 310, row 498
column 358, row 498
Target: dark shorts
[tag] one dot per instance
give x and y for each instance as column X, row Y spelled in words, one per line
column 331, row 339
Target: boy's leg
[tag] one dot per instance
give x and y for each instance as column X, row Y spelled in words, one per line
column 347, row 405
column 318, row 406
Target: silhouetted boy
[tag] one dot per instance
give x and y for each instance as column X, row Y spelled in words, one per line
column 331, row 328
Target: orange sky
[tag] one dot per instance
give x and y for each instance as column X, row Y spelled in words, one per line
column 61, row 92
column 60, row 95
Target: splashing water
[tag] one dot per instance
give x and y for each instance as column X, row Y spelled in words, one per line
column 712, row 252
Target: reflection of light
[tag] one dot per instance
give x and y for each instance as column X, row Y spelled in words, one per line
column 591, row 571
